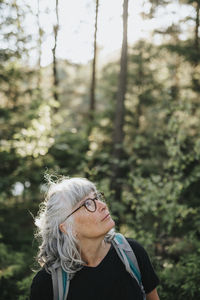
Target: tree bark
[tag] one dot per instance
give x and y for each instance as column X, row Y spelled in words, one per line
column 195, row 75
column 197, row 26
column 118, row 133
column 93, row 80
column 55, row 75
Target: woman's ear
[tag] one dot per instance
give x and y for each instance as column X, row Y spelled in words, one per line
column 62, row 228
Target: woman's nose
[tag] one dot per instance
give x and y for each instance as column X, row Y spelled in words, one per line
column 101, row 205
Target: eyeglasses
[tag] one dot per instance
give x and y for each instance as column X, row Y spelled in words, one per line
column 89, row 204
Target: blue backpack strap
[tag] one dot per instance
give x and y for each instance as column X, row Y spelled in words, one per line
column 66, row 281
column 54, row 282
column 127, row 255
column 60, row 281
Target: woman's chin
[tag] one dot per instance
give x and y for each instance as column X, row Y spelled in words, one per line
column 110, row 224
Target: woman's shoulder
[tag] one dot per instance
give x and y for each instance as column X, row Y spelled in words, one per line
column 135, row 245
column 139, row 251
column 41, row 287
column 41, row 279
column 149, row 277
column 42, row 275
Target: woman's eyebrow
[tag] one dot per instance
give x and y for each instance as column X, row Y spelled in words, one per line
column 93, row 196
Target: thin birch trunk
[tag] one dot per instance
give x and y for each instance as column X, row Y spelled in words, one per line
column 93, row 80
column 118, row 133
column 55, row 74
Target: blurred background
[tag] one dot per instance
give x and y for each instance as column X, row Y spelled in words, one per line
column 107, row 90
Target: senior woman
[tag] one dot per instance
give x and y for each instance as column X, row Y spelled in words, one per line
column 76, row 233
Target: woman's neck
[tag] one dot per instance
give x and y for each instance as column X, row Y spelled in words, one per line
column 94, row 251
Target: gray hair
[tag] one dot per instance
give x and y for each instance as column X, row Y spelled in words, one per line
column 57, row 248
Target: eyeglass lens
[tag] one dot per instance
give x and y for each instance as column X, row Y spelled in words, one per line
column 90, row 204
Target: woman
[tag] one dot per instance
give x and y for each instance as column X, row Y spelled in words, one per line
column 76, row 230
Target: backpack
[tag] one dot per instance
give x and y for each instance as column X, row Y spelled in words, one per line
column 61, row 279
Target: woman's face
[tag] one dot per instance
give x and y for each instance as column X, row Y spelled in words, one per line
column 92, row 224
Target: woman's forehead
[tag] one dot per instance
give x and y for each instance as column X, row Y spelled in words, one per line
column 92, row 194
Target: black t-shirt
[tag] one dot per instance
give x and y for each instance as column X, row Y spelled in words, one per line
column 107, row 281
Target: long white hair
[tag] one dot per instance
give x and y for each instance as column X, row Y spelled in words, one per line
column 58, row 248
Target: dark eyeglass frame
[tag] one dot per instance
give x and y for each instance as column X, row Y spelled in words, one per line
column 99, row 196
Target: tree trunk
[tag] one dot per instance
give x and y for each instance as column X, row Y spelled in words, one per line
column 55, row 75
column 141, row 76
column 19, row 28
column 93, row 80
column 197, row 26
column 118, row 133
column 195, row 75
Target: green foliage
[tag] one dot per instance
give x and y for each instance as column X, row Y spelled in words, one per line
column 13, row 268
column 24, row 287
column 180, row 280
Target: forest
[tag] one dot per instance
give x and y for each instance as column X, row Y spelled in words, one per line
column 130, row 123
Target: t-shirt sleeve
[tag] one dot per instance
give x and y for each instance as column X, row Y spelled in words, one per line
column 41, row 287
column 149, row 278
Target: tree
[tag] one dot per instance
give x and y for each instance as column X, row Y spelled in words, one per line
column 118, row 132
column 197, row 3
column 93, row 80
column 39, row 43
column 55, row 72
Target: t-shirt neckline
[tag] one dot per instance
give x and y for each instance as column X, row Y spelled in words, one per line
column 101, row 262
